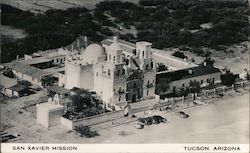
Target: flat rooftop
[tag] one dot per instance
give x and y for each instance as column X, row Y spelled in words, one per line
column 50, row 106
column 27, row 69
column 158, row 55
column 185, row 73
column 36, row 60
column 58, row 89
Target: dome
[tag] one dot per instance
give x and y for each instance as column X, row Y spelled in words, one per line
column 115, row 46
column 94, row 51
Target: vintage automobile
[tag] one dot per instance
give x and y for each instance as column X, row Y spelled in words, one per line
column 183, row 114
column 156, row 119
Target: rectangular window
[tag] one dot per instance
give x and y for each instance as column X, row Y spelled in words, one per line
column 201, row 81
column 134, row 52
column 119, row 58
column 119, row 98
column 97, row 74
column 108, row 71
column 127, row 96
column 114, row 59
column 183, row 85
column 135, row 85
column 147, row 92
column 142, row 53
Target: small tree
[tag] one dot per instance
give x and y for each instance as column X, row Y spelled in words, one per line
column 85, row 131
column 162, row 87
column 161, row 67
column 183, row 92
column 85, row 104
column 209, row 61
column 228, row 78
column 8, row 73
column 179, row 54
column 48, row 81
column 25, row 83
column 194, row 86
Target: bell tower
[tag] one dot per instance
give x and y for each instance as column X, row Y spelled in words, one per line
column 115, row 58
column 143, row 50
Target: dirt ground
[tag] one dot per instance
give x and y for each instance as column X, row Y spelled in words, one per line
column 224, row 121
column 234, row 58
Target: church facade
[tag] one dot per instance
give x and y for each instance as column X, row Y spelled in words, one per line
column 116, row 74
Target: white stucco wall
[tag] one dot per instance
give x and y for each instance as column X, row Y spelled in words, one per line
column 179, row 83
column 49, row 114
column 72, row 75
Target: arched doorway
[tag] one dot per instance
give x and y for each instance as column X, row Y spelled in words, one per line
column 133, row 98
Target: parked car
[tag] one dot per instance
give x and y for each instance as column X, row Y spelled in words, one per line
column 183, row 114
column 158, row 119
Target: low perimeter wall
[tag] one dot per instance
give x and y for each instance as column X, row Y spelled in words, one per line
column 88, row 121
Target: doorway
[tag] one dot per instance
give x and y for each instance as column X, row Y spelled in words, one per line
column 133, row 98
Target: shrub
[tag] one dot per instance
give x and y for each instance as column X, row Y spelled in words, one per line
column 85, row 131
column 228, row 78
column 179, row 54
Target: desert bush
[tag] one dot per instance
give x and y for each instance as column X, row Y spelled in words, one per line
column 85, row 131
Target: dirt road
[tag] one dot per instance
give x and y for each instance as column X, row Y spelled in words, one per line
column 225, row 121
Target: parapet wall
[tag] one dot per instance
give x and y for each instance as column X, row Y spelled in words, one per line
column 88, row 121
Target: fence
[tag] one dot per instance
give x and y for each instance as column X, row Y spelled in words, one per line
column 171, row 103
column 89, row 121
column 204, row 95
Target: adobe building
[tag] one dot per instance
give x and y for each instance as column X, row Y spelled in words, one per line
column 49, row 114
column 117, row 75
